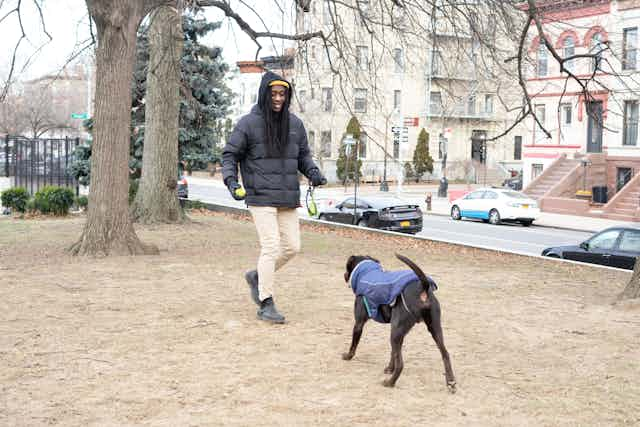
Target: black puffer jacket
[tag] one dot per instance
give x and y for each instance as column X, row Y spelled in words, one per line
column 269, row 181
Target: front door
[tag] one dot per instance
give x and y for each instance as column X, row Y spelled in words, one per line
column 477, row 150
column 594, row 127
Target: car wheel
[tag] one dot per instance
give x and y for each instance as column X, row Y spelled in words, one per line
column 527, row 223
column 494, row 217
column 363, row 223
column 455, row 213
column 553, row 255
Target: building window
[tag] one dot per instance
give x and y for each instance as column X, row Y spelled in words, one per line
column 326, row 13
column 630, row 136
column 325, row 144
column 397, row 99
column 566, row 112
column 398, row 61
column 596, row 49
column 327, row 99
column 536, row 170
column 569, row 49
column 312, row 141
column 362, row 57
column 436, row 63
column 360, row 101
column 629, row 48
column 362, row 151
column 541, row 113
column 488, row 104
column 542, row 60
column 435, row 107
column 471, row 105
column 302, row 100
column 517, row 148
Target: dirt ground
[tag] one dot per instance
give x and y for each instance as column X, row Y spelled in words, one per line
column 173, row 340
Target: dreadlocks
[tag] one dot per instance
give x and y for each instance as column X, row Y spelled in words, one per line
column 276, row 124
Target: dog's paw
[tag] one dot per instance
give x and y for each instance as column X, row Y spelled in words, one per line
column 388, row 383
column 451, row 386
column 388, row 370
column 347, row 356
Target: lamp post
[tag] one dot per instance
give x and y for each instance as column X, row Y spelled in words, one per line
column 350, row 143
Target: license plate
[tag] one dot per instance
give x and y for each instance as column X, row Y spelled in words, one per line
column 405, row 223
column 525, row 206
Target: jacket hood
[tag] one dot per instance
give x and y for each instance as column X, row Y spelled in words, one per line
column 267, row 78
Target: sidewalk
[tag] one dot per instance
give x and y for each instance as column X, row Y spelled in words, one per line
column 416, row 193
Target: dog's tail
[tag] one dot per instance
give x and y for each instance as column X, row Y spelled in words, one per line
column 427, row 282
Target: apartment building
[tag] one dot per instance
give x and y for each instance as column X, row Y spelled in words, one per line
column 594, row 136
column 395, row 88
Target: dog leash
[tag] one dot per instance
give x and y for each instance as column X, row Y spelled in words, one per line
column 312, row 208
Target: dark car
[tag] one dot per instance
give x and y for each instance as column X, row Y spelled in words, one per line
column 514, row 183
column 384, row 213
column 613, row 247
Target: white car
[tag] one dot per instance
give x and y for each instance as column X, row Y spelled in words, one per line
column 494, row 205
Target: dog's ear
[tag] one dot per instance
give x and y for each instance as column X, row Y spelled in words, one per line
column 349, row 267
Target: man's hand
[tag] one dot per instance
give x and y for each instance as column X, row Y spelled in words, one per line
column 317, row 178
column 237, row 192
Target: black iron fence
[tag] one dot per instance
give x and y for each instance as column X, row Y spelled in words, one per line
column 35, row 163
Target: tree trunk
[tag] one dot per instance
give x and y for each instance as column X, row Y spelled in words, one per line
column 156, row 200
column 109, row 228
column 633, row 287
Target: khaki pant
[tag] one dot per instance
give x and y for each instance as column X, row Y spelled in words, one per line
column 279, row 234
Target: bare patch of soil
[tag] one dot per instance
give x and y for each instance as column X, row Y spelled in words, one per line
column 173, row 339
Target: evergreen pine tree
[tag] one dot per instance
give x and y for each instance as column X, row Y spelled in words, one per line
column 345, row 164
column 422, row 160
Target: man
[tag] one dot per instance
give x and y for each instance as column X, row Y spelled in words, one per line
column 270, row 145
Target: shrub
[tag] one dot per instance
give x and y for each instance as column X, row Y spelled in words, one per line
column 15, row 198
column 196, row 204
column 31, row 205
column 82, row 202
column 56, row 200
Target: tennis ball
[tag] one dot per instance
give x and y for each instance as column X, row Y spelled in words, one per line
column 240, row 192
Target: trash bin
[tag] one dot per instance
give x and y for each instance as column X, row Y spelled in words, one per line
column 599, row 194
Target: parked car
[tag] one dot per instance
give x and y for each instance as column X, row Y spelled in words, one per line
column 495, row 205
column 514, row 183
column 614, row 247
column 384, row 213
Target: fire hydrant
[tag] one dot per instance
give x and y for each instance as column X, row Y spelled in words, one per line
column 428, row 200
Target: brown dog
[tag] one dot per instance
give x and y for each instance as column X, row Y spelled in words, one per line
column 416, row 302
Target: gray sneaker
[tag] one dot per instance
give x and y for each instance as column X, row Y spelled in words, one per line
column 269, row 313
column 252, row 279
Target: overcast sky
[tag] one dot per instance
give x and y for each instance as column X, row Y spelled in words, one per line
column 67, row 23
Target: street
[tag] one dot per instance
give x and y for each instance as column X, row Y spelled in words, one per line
column 505, row 237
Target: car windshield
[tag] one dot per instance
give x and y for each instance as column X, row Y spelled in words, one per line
column 514, row 195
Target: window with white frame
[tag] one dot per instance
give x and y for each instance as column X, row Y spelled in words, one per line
column 362, row 57
column 630, row 136
column 362, row 145
column 312, row 141
column 397, row 99
column 541, row 69
column 471, row 105
column 566, row 113
column 398, row 61
column 327, row 99
column 568, row 50
column 302, row 99
column 536, row 170
column 629, row 48
column 596, row 49
column 488, row 103
column 360, row 101
column 435, row 107
column 326, row 13
column 436, row 63
column 325, row 144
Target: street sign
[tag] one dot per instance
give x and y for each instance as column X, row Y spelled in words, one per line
column 411, row 121
column 82, row 116
column 398, row 129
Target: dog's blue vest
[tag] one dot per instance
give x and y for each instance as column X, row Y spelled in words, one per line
column 378, row 286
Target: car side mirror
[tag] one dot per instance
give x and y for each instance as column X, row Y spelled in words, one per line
column 585, row 245
column 339, row 207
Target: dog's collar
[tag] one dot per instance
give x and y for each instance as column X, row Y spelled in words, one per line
column 358, row 265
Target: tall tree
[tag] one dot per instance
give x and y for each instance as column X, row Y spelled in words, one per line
column 422, row 160
column 108, row 229
column 156, row 199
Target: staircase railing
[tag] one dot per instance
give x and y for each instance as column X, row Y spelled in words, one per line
column 629, row 186
column 546, row 172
